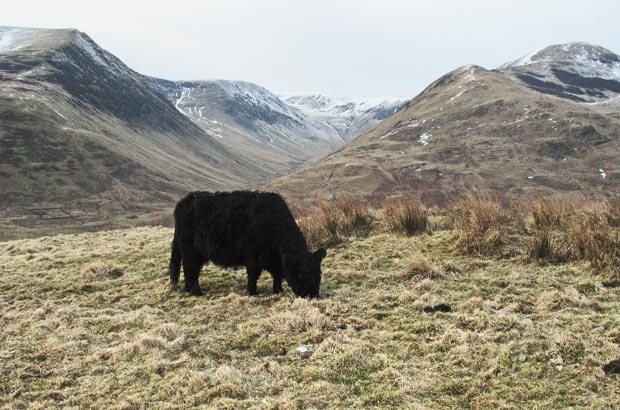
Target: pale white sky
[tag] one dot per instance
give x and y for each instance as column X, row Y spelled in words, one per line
column 344, row 48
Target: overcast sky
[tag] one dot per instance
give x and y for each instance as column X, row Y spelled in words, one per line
column 346, row 48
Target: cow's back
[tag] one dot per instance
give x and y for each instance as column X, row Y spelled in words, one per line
column 230, row 228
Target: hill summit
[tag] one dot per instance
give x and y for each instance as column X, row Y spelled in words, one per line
column 577, row 71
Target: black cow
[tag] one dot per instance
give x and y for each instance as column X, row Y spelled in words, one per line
column 242, row 228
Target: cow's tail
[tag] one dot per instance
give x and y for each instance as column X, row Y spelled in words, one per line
column 175, row 263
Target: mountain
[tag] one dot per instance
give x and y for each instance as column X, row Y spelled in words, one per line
column 349, row 119
column 279, row 133
column 577, row 71
column 85, row 140
column 251, row 120
column 474, row 129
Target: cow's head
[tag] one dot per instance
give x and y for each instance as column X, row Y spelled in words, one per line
column 302, row 271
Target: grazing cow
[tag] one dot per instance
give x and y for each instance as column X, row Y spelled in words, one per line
column 242, row 228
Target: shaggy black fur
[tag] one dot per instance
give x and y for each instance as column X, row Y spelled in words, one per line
column 242, row 228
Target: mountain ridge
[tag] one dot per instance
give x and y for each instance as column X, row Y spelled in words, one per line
column 81, row 131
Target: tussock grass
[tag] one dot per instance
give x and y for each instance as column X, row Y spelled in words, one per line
column 549, row 239
column 483, row 226
column 418, row 267
column 596, row 240
column 548, row 213
column 406, row 217
column 544, row 244
column 520, row 334
column 563, row 232
column 333, row 222
column 613, row 214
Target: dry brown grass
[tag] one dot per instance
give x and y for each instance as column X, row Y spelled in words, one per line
column 520, row 335
column 548, row 213
column 547, row 245
column 562, row 232
column 419, row 268
column 332, row 222
column 546, row 238
column 545, row 230
column 483, row 226
column 405, row 217
column 596, row 240
column 614, row 213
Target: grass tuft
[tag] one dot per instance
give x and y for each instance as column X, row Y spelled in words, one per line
column 103, row 270
column 405, row 217
column 332, row 222
column 418, row 267
column 483, row 226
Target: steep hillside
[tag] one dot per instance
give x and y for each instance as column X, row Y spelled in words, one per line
column 251, row 120
column 348, row 118
column 473, row 130
column 84, row 139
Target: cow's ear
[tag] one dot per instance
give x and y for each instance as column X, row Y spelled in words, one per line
column 320, row 254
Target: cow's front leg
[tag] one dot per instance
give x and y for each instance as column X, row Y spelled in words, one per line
column 253, row 275
column 277, row 282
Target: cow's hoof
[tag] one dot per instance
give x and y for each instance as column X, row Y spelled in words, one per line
column 196, row 291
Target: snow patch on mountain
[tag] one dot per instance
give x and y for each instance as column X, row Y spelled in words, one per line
column 13, row 38
column 348, row 118
column 425, row 138
column 91, row 49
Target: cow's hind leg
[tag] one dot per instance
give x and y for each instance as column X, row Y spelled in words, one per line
column 253, row 275
column 192, row 263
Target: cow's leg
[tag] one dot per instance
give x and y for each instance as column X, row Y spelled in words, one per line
column 253, row 275
column 192, row 263
column 277, row 281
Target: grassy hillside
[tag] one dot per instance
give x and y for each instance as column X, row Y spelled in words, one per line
column 88, row 323
column 472, row 130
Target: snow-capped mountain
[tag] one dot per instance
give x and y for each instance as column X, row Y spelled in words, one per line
column 577, row 71
column 279, row 133
column 246, row 116
column 82, row 132
column 348, row 118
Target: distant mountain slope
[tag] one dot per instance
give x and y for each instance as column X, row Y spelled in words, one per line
column 251, row 120
column 348, row 118
column 473, row 130
column 279, row 134
column 577, row 71
column 81, row 132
